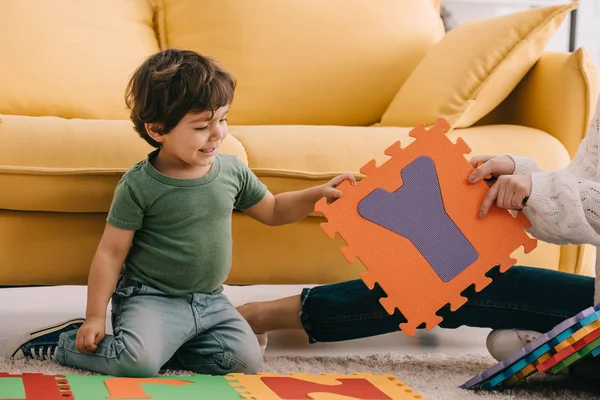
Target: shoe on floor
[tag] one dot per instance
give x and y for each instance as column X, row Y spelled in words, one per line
column 43, row 343
column 502, row 343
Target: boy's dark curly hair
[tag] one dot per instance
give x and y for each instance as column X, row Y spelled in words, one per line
column 172, row 83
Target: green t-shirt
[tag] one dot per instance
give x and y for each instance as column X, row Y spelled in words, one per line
column 183, row 240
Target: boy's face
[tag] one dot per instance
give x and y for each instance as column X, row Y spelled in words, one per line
column 196, row 138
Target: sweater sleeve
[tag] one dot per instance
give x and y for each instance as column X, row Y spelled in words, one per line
column 585, row 162
column 564, row 206
column 523, row 165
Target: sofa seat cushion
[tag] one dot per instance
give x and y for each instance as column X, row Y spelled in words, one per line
column 62, row 165
column 53, row 164
column 297, row 157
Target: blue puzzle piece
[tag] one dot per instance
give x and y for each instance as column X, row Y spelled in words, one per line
column 416, row 211
column 530, row 348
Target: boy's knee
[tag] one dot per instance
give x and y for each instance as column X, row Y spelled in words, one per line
column 138, row 371
column 137, row 366
column 247, row 358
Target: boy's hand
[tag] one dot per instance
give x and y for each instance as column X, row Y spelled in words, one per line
column 510, row 192
column 329, row 189
column 90, row 334
column 491, row 165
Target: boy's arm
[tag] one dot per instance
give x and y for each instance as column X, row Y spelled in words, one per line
column 125, row 216
column 105, row 269
column 288, row 207
column 285, row 208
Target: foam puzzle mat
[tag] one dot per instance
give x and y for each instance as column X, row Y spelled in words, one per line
column 264, row 386
column 413, row 223
column 565, row 344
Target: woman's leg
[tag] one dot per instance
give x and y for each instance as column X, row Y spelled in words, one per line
column 521, row 298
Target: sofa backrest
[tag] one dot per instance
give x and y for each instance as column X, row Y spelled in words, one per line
column 337, row 62
column 71, row 58
column 334, row 62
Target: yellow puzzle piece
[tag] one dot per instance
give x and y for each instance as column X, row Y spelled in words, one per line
column 359, row 386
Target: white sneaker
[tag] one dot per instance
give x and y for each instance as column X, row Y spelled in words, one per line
column 502, row 343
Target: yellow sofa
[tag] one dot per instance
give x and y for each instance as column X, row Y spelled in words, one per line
column 324, row 87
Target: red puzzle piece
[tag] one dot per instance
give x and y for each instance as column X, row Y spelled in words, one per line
column 297, row 389
column 43, row 387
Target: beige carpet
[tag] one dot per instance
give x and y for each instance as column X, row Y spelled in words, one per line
column 436, row 377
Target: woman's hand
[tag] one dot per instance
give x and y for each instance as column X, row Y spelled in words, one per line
column 508, row 191
column 491, row 165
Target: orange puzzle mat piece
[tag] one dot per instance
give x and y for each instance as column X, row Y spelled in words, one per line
column 363, row 386
column 454, row 232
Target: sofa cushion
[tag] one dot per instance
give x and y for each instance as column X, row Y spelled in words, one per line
column 334, row 62
column 71, row 58
column 539, row 100
column 294, row 157
column 483, row 61
column 55, row 164
column 46, row 248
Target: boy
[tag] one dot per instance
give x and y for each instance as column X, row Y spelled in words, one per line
column 166, row 248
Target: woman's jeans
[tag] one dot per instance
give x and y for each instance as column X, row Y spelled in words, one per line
column 521, row 298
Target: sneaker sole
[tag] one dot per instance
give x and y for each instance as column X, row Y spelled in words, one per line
column 43, row 331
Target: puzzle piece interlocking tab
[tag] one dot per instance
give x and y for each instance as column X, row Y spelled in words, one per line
column 413, row 223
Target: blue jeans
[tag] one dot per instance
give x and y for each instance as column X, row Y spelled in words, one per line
column 199, row 332
column 521, row 298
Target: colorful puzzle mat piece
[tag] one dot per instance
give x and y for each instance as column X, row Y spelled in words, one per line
column 34, row 387
column 266, row 386
column 587, row 350
column 581, row 333
column 194, row 387
column 544, row 352
column 541, row 354
column 533, row 347
column 525, row 372
column 568, row 351
column 520, row 370
column 413, row 223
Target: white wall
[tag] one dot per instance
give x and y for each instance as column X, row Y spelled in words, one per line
column 588, row 19
column 588, row 27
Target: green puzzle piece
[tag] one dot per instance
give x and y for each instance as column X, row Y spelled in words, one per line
column 202, row 387
column 576, row 356
column 11, row 388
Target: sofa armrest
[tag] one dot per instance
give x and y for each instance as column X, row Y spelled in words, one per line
column 558, row 96
column 586, row 263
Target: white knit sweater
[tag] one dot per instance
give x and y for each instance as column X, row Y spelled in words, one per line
column 564, row 206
